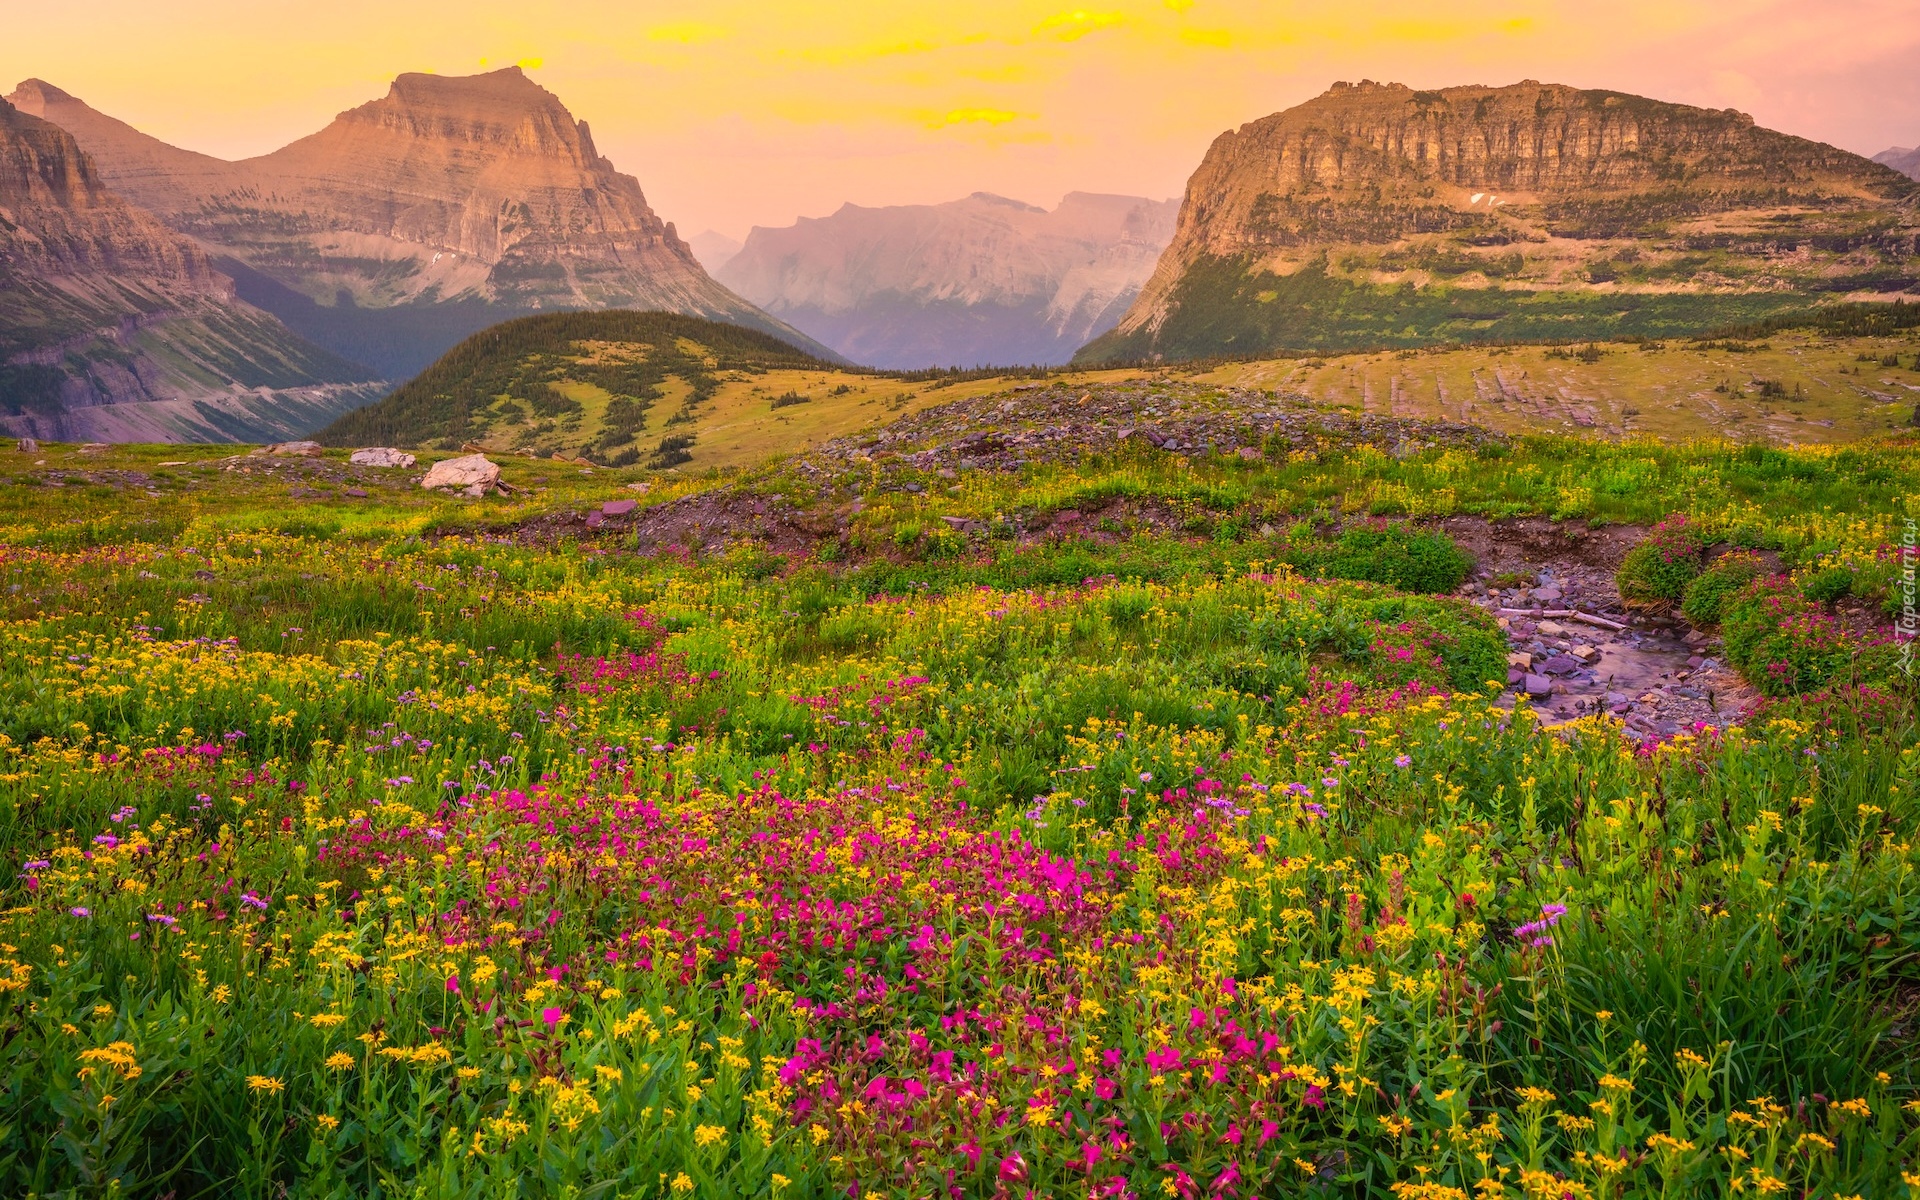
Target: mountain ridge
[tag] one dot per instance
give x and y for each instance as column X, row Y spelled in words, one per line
column 112, row 325
column 982, row 280
column 448, row 204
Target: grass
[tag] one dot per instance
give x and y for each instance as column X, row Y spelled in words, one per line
column 378, row 847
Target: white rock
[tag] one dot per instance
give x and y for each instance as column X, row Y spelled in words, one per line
column 291, row 450
column 474, row 473
column 381, row 456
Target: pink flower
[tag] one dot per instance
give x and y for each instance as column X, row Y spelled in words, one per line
column 1268, row 1131
column 1316, row 1097
column 453, row 984
column 552, row 1017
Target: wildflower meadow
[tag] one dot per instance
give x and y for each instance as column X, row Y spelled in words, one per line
column 394, row 859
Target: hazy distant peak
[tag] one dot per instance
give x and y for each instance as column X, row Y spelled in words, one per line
column 1007, row 201
column 37, row 91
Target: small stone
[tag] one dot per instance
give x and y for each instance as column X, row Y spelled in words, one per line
column 1560, row 664
column 1546, row 595
column 1514, row 676
column 619, row 508
column 596, row 519
column 357, row 493
column 1551, row 629
column 1584, row 653
column 1521, row 659
column 1538, row 685
column 95, row 448
column 303, row 449
column 1249, row 453
column 1696, row 661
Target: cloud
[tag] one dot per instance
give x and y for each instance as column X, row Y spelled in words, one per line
column 1072, row 26
column 974, row 116
column 688, row 33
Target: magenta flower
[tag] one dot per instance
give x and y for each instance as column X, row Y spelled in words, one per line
column 453, row 984
column 552, row 1017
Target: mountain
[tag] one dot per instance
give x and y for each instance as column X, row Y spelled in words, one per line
column 446, row 206
column 578, row 384
column 979, row 281
column 713, row 249
column 1901, row 159
column 1379, row 216
column 115, row 328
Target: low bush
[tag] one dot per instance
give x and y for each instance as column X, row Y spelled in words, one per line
column 1398, row 555
column 1705, row 600
column 1658, row 570
column 1784, row 643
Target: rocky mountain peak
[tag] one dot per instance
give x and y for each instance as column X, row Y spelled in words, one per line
column 501, row 110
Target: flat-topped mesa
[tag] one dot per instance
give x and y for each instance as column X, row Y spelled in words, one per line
column 1510, row 193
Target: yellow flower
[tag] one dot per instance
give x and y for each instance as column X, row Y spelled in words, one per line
column 327, row 1121
column 265, row 1083
column 339, row 1061
column 707, row 1135
column 681, row 1183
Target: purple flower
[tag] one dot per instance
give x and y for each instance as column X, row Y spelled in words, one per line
column 1401, row 760
column 81, row 912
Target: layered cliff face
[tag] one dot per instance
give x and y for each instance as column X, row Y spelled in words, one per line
column 105, row 313
column 1378, row 215
column 984, row 280
column 445, row 206
column 1900, row 158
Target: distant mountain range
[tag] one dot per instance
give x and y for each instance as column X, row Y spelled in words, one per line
column 1378, row 216
column 114, row 327
column 974, row 282
column 446, row 206
column 1901, row 159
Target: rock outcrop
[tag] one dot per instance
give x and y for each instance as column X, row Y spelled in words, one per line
column 984, row 280
column 1510, row 211
column 106, row 313
column 447, row 205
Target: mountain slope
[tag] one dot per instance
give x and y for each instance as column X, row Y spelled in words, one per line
column 413, row 220
column 1901, row 159
column 112, row 327
column 1375, row 215
column 972, row 282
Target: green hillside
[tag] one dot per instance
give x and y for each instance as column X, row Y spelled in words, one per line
column 580, row 383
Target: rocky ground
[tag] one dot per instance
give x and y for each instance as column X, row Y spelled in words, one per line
column 1575, row 650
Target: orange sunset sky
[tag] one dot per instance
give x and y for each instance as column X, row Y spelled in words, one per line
column 734, row 114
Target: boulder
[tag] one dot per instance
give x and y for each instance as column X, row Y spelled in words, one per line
column 381, row 456
column 95, row 448
column 473, row 474
column 1538, row 685
column 618, row 508
column 290, row 450
column 27, row 446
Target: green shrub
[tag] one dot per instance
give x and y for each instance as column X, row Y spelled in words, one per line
column 1706, row 598
column 1398, row 555
column 1825, row 587
column 1658, row 570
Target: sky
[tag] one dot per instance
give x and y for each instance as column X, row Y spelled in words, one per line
column 734, row 114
